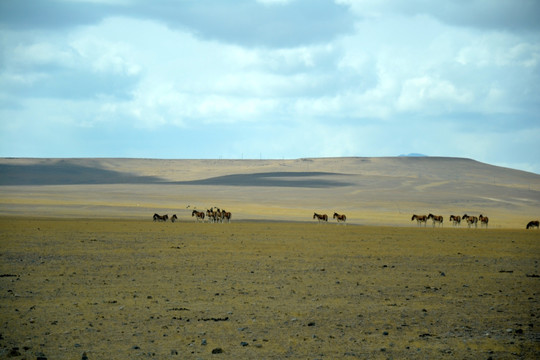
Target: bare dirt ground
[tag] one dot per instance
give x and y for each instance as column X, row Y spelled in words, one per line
column 135, row 289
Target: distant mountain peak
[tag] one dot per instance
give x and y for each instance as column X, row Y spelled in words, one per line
column 413, row 155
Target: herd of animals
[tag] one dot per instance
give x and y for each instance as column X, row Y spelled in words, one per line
column 212, row 215
column 438, row 220
column 454, row 219
column 216, row 215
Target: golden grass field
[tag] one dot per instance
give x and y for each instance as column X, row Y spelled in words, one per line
column 84, row 269
column 370, row 191
column 137, row 289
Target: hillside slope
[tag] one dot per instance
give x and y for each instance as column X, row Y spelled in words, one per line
column 369, row 190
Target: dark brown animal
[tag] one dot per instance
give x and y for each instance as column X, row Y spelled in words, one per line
column 456, row 220
column 199, row 215
column 484, row 220
column 320, row 217
column 419, row 219
column 340, row 217
column 533, row 224
column 471, row 220
column 226, row 216
column 437, row 219
column 158, row 217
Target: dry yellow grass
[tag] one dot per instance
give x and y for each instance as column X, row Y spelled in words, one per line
column 119, row 289
column 370, row 191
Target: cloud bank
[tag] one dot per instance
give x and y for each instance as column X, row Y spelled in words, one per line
column 271, row 79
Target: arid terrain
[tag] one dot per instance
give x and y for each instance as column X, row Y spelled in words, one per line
column 86, row 273
column 370, row 191
column 137, row 289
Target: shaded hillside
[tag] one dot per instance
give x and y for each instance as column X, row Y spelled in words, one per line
column 66, row 173
column 374, row 190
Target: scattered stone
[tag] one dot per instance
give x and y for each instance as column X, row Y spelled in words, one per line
column 215, row 319
column 203, row 342
column 174, row 352
column 217, row 351
column 244, row 343
column 385, row 333
column 311, row 324
column 84, row 356
column 14, row 352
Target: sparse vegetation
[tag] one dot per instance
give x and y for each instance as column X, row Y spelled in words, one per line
column 122, row 289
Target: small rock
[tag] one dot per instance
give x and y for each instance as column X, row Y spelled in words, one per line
column 14, row 352
column 385, row 333
column 203, row 342
column 311, row 324
column 84, row 356
column 243, row 343
column 217, row 351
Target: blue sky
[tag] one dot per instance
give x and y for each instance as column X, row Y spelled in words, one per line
column 271, row 79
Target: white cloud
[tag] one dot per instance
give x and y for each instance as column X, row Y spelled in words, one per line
column 427, row 94
column 330, row 83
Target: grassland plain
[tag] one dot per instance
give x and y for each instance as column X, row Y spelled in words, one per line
column 135, row 289
column 370, row 191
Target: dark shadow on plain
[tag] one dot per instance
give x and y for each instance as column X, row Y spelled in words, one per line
column 68, row 173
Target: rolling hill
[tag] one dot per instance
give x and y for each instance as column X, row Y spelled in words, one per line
column 369, row 190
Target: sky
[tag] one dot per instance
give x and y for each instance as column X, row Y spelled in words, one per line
column 271, row 79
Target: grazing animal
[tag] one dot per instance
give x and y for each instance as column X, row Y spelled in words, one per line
column 211, row 215
column 532, row 224
column 320, row 217
column 483, row 220
column 437, row 219
column 174, row 218
column 456, row 220
column 339, row 217
column 226, row 216
column 158, row 217
column 419, row 219
column 199, row 215
column 471, row 220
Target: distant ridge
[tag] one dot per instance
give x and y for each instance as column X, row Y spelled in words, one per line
column 413, row 155
column 371, row 190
